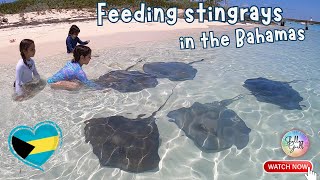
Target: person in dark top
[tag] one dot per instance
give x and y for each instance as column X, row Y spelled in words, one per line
column 73, row 39
column 282, row 23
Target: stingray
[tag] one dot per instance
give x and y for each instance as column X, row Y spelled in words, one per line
column 127, row 81
column 212, row 126
column 174, row 71
column 129, row 144
column 274, row 92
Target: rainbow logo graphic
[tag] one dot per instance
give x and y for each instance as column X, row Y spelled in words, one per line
column 295, row 143
column 34, row 146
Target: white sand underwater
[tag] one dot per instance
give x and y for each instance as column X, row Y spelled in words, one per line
column 219, row 77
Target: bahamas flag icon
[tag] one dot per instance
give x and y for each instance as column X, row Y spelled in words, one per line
column 35, row 146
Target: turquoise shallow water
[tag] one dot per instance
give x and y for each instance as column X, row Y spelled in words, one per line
column 219, row 77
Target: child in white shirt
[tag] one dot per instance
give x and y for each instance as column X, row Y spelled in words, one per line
column 26, row 69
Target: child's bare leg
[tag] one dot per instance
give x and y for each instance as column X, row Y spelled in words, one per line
column 66, row 85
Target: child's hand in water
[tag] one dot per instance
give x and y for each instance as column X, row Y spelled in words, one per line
column 101, row 88
column 107, row 90
column 35, row 80
column 98, row 87
column 19, row 98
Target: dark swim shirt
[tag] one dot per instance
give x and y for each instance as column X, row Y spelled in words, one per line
column 72, row 43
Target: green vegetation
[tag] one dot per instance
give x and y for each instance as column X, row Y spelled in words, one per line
column 22, row 6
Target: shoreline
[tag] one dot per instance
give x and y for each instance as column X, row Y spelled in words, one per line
column 50, row 37
column 10, row 55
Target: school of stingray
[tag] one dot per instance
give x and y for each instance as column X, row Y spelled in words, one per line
column 132, row 144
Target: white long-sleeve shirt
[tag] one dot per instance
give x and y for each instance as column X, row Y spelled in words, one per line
column 24, row 74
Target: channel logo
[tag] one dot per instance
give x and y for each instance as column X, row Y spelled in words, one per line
column 295, row 143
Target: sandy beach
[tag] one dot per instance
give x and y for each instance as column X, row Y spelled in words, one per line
column 49, row 30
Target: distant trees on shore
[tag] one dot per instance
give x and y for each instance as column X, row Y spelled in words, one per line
column 21, row 6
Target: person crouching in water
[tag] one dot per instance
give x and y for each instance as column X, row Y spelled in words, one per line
column 71, row 76
column 73, row 39
column 26, row 70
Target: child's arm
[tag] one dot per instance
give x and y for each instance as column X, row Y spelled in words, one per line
column 81, row 76
column 35, row 72
column 18, row 88
column 81, row 42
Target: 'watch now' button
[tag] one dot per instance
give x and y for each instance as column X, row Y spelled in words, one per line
column 287, row 166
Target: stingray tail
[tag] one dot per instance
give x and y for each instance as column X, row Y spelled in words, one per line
column 226, row 102
column 139, row 61
column 154, row 113
column 240, row 96
column 294, row 81
column 299, row 80
column 196, row 61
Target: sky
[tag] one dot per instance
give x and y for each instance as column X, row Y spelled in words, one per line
column 6, row 1
column 297, row 9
